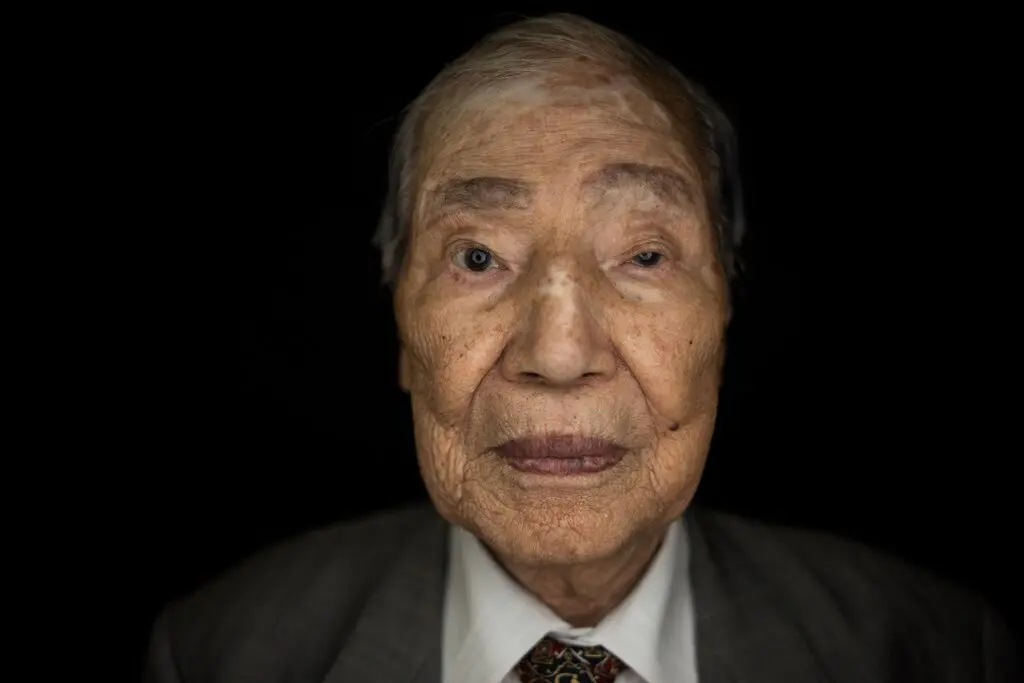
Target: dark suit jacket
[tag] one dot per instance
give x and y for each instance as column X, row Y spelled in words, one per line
column 362, row 602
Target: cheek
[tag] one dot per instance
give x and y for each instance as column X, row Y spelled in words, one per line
column 675, row 470
column 675, row 353
column 442, row 463
column 451, row 348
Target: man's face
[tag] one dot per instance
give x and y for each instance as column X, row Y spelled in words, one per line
column 561, row 280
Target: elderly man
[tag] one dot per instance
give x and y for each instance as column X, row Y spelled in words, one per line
column 559, row 236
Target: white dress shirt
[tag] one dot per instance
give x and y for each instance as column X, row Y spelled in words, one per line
column 491, row 622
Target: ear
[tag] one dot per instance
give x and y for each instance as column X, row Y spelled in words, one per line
column 403, row 369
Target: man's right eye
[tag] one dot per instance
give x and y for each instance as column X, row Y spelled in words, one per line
column 475, row 259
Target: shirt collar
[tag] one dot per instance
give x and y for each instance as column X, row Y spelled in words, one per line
column 491, row 621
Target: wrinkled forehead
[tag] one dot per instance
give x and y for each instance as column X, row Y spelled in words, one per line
column 565, row 123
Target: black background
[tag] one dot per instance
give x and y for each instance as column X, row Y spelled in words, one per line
column 867, row 390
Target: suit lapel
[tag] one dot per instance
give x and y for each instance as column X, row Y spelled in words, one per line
column 397, row 638
column 745, row 633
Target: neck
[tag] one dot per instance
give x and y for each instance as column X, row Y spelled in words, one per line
column 583, row 594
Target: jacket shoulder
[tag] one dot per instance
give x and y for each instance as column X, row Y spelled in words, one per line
column 844, row 595
column 289, row 605
column 799, row 555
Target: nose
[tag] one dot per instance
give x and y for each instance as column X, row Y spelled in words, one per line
column 559, row 342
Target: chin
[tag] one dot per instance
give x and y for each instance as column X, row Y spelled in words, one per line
column 556, row 536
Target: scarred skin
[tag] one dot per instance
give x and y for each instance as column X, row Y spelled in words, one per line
column 563, row 329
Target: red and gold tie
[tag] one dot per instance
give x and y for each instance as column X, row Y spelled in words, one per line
column 551, row 661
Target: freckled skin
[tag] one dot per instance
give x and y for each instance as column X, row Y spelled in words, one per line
column 563, row 334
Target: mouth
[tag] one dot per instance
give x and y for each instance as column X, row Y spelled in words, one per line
column 562, row 455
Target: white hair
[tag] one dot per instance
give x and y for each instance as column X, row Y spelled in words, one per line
column 530, row 47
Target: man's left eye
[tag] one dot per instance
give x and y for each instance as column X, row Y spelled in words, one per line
column 647, row 259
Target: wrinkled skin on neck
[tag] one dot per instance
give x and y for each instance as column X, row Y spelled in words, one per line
column 559, row 327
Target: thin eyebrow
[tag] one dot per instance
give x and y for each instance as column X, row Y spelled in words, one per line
column 481, row 193
column 668, row 185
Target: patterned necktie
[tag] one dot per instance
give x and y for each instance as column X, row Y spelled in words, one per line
column 553, row 662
